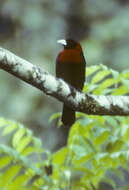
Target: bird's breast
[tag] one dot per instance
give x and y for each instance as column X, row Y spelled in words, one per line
column 70, row 56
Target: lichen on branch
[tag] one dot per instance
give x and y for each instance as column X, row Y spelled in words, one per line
column 56, row 87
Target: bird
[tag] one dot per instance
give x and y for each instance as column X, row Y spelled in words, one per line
column 70, row 66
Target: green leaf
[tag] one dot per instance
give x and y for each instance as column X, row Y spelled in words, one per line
column 85, row 88
column 89, row 173
column 18, row 182
column 84, row 159
column 79, row 150
column 54, row 116
column 125, row 74
column 125, row 132
column 106, row 161
column 92, row 87
column 101, row 138
column 107, row 83
column 10, row 151
column 112, row 121
column 60, row 156
column 114, row 146
column 3, row 122
column 120, row 91
column 23, row 143
column 28, row 150
column 9, row 174
column 10, row 128
column 17, row 136
column 100, row 75
column 4, row 161
column 73, row 133
column 91, row 70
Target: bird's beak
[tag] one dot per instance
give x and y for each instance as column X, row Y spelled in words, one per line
column 62, row 41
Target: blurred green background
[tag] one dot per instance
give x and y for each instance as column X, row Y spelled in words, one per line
column 31, row 28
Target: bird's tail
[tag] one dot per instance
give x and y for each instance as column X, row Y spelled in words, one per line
column 68, row 116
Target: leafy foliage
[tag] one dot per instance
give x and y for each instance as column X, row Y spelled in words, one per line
column 97, row 146
column 17, row 170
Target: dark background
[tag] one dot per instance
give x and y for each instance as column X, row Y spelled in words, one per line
column 31, row 28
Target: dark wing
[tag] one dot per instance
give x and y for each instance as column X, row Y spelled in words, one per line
column 72, row 73
column 63, row 70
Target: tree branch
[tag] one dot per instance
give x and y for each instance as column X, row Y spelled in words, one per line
column 50, row 85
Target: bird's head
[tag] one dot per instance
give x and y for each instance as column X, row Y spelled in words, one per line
column 70, row 44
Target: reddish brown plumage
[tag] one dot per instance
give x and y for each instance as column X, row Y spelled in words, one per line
column 70, row 66
column 70, row 55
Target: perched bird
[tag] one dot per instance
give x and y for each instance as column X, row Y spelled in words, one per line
column 70, row 66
